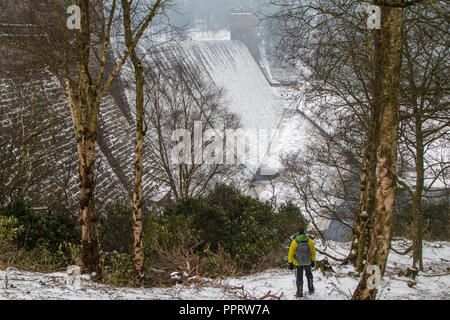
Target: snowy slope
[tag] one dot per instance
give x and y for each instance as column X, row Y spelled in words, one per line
column 433, row 283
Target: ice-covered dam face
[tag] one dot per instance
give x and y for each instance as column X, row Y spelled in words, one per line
column 261, row 107
column 229, row 65
column 226, row 64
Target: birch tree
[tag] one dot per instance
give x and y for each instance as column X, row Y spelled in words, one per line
column 84, row 102
column 424, row 113
column 73, row 45
column 341, row 88
column 138, row 253
column 383, row 218
column 392, row 42
column 302, row 24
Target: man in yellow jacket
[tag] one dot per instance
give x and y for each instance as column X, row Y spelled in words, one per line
column 302, row 255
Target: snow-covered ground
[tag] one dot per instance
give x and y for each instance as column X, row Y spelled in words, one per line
column 433, row 283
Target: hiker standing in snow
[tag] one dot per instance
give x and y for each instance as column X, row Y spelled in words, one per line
column 302, row 255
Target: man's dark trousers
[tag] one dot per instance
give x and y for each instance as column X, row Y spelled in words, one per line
column 309, row 277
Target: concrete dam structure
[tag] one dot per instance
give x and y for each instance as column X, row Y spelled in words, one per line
column 227, row 64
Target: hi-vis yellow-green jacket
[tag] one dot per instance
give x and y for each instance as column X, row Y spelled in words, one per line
column 293, row 250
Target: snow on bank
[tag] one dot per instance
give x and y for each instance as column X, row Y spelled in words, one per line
column 433, row 283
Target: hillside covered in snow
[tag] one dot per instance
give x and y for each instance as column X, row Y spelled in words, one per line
column 431, row 284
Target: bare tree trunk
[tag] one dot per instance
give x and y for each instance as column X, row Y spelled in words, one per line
column 138, row 172
column 391, row 40
column 78, row 57
column 368, row 176
column 361, row 226
column 424, row 117
column 86, row 136
column 418, row 224
column 366, row 204
column 91, row 257
column 138, row 249
column 84, row 107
